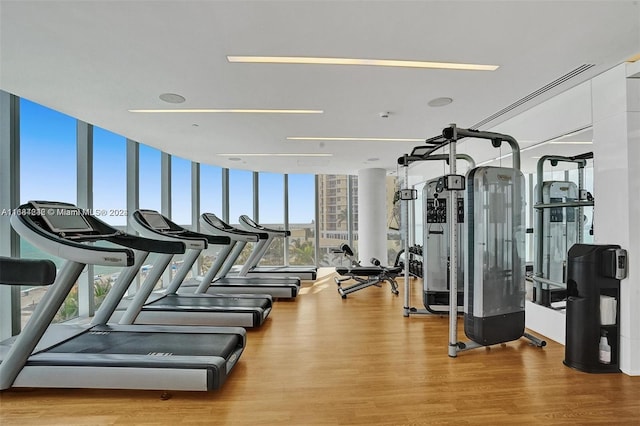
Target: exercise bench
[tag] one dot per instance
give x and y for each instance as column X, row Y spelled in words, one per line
column 365, row 276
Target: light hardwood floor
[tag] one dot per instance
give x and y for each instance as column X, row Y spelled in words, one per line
column 324, row 360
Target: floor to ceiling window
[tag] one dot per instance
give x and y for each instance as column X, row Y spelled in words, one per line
column 47, row 173
column 150, row 189
column 109, row 198
column 180, row 201
column 333, row 206
column 210, row 202
column 271, row 213
column 302, row 204
column 149, row 178
column 181, row 191
column 241, row 202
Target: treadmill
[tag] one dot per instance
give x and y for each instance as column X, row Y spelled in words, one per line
column 107, row 356
column 216, row 279
column 169, row 307
column 152, row 224
column 251, row 266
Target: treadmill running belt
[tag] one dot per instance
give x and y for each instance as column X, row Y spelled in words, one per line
column 182, row 302
column 141, row 343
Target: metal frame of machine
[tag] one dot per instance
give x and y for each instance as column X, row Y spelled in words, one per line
column 452, row 184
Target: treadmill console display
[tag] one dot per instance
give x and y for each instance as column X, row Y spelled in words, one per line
column 155, row 220
column 215, row 221
column 60, row 218
column 251, row 222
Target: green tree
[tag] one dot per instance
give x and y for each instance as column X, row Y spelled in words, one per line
column 302, row 253
column 101, row 287
column 69, row 308
column 342, row 217
column 275, row 254
column 244, row 255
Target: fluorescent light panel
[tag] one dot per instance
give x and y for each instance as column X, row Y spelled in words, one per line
column 358, row 61
column 317, row 138
column 570, row 143
column 495, row 159
column 275, row 155
column 232, row 110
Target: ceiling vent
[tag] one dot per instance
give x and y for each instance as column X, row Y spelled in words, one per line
column 555, row 83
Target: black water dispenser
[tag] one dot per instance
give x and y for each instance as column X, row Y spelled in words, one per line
column 593, row 307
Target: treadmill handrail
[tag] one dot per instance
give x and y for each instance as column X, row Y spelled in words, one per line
column 147, row 244
column 193, row 240
column 61, row 246
column 246, row 220
column 31, row 272
column 230, row 231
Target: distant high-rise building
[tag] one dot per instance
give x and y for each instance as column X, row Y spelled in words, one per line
column 333, row 200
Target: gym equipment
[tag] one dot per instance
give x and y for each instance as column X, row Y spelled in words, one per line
column 416, row 267
column 494, row 310
column 593, row 307
column 106, row 355
column 170, row 307
column 559, row 225
column 251, row 266
column 494, row 260
column 366, row 276
column 436, row 236
column 216, row 279
column 28, row 272
column 435, row 253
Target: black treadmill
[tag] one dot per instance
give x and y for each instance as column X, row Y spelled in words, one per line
column 251, row 266
column 216, row 279
column 169, row 307
column 103, row 355
column 154, row 225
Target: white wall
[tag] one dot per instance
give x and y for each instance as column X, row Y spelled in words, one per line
column 616, row 139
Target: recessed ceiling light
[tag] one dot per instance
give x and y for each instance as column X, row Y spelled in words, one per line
column 360, row 61
column 440, row 102
column 234, row 159
column 276, row 155
column 172, row 98
column 373, row 159
column 231, row 110
column 342, row 139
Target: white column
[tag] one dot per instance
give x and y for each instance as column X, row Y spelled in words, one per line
column 372, row 216
column 616, row 146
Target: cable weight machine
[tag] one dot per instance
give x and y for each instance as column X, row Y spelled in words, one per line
column 436, row 280
column 494, row 267
column 558, row 225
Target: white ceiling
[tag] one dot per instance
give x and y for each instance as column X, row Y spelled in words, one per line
column 95, row 60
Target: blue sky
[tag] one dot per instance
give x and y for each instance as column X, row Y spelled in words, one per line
column 48, row 172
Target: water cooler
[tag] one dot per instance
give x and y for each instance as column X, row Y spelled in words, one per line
column 593, row 307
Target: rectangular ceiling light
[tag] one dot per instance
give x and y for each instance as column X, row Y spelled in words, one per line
column 232, row 110
column 356, row 61
column 341, row 139
column 570, row 143
column 276, row 155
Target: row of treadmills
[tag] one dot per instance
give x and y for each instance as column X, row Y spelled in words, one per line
column 188, row 336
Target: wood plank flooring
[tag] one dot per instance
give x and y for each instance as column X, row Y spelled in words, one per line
column 324, row 360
